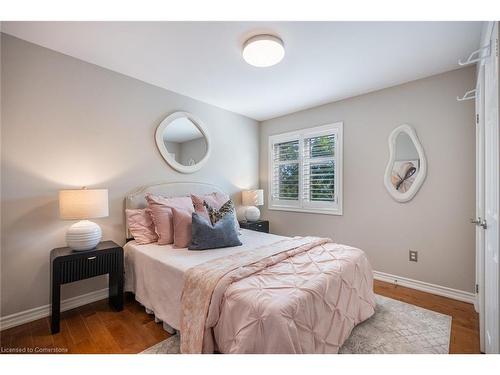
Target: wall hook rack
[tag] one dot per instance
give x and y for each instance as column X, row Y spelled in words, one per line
column 469, row 95
column 475, row 56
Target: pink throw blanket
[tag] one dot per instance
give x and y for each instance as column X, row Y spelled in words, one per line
column 301, row 295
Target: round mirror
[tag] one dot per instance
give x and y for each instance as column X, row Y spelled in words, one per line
column 183, row 142
column 407, row 165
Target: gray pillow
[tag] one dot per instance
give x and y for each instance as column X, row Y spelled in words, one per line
column 208, row 236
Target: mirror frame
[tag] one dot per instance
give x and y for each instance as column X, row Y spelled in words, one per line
column 163, row 149
column 419, row 179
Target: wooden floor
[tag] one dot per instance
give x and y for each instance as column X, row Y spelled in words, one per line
column 95, row 328
column 465, row 320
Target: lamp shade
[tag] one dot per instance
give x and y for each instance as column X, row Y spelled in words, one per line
column 253, row 197
column 83, row 204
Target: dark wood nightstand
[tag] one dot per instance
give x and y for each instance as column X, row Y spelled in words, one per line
column 68, row 265
column 258, row 226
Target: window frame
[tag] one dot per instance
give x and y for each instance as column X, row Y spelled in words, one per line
column 300, row 205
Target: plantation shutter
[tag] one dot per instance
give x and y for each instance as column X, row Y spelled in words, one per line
column 318, row 169
column 285, row 177
column 305, row 170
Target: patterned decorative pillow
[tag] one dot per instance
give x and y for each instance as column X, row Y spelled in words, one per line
column 216, row 214
column 215, row 200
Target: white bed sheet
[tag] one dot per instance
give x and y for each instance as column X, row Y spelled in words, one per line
column 156, row 273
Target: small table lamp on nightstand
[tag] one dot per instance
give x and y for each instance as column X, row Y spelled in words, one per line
column 252, row 198
column 83, row 204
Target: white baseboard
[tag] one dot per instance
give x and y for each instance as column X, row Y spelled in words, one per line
column 439, row 290
column 40, row 312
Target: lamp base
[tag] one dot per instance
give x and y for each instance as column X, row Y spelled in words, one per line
column 252, row 213
column 84, row 235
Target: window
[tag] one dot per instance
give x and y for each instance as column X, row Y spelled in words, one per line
column 305, row 170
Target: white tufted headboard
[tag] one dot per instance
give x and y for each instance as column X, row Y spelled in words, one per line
column 137, row 198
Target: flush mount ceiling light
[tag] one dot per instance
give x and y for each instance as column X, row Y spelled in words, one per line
column 263, row 50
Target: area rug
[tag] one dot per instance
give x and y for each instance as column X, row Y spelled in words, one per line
column 395, row 328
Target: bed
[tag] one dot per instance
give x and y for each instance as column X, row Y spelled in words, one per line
column 273, row 294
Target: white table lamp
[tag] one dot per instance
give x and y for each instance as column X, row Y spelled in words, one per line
column 83, row 204
column 251, row 199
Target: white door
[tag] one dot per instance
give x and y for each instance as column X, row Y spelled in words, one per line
column 491, row 170
column 479, row 305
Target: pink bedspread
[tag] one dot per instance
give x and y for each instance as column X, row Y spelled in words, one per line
column 301, row 295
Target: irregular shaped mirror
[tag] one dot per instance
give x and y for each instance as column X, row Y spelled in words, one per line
column 183, row 142
column 407, row 166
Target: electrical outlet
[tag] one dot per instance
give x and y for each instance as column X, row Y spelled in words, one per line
column 413, row 256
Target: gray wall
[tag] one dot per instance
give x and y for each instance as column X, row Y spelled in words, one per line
column 67, row 123
column 436, row 221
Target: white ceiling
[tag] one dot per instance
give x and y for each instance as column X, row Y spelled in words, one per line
column 324, row 61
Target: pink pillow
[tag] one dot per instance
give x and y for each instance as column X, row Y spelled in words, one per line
column 141, row 226
column 161, row 212
column 182, row 227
